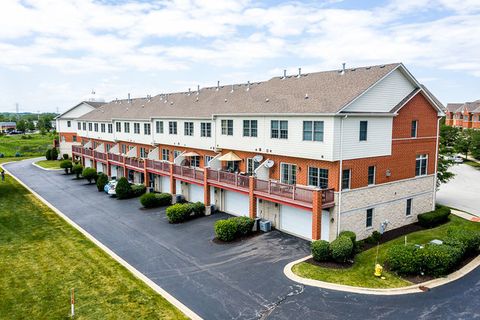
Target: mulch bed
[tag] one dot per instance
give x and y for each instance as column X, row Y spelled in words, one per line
column 238, row 239
column 330, row 264
column 392, row 234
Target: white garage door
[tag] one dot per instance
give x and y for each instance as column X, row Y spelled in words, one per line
column 88, row 163
column 165, row 183
column 212, row 195
column 99, row 167
column 195, row 193
column 236, row 203
column 178, row 187
column 296, row 221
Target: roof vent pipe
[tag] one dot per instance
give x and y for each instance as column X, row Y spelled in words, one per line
column 218, row 85
column 299, row 72
column 248, row 85
column 189, row 91
column 198, row 89
column 129, row 98
column 343, row 68
column 231, row 91
column 284, row 73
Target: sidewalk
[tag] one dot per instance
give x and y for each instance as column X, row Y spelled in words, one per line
column 465, row 215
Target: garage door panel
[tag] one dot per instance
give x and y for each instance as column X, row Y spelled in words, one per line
column 296, row 221
column 165, row 183
column 195, row 193
column 236, row 203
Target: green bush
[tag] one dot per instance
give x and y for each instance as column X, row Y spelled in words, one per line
column 153, row 200
column 352, row 236
column 123, row 188
column 341, row 249
column 137, row 190
column 66, row 164
column 178, row 212
column 65, row 156
column 90, row 174
column 197, row 208
column 470, row 239
column 320, row 250
column 102, row 180
column 77, row 170
column 438, row 260
column 244, row 225
column 434, row 218
column 48, row 154
column 54, row 153
column 404, row 260
column 225, row 230
column 18, row 154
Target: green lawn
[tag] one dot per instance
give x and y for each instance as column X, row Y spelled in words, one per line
column 26, row 145
column 49, row 164
column 42, row 258
column 361, row 273
column 472, row 163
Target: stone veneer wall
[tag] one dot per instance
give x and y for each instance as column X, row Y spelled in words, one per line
column 388, row 202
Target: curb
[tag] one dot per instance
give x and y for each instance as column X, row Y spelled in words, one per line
column 373, row 291
column 188, row 312
column 40, row 167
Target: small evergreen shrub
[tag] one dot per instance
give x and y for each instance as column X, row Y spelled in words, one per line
column 470, row 239
column 77, row 170
column 352, row 236
column 123, row 188
column 102, row 180
column 137, row 190
column 438, row 260
column 54, row 154
column 341, row 249
column 320, row 250
column 165, row 199
column 178, row 212
column 244, row 225
column 404, row 260
column 153, row 200
column 197, row 209
column 90, row 174
column 67, row 165
column 18, row 154
column 434, row 218
column 225, row 230
column 48, row 154
column 65, row 156
column 2, row 155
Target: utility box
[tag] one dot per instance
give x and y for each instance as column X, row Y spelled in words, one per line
column 265, row 225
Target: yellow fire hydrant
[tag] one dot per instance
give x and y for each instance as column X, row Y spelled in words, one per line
column 378, row 270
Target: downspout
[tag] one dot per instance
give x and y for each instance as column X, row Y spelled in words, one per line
column 436, row 166
column 340, row 176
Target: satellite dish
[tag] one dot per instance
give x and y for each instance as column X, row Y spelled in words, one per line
column 258, row 158
column 269, row 163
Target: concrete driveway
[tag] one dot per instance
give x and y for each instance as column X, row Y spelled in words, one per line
column 463, row 191
column 243, row 280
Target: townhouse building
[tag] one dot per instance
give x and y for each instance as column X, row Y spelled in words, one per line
column 463, row 115
column 318, row 153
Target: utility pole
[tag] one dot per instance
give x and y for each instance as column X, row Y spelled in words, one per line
column 17, row 109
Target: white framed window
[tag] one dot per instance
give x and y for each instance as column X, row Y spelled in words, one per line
column 312, row 130
column 363, row 130
column 172, row 127
column 146, row 129
column 252, row 165
column 288, row 173
column 124, row 148
column 346, row 173
column 369, row 218
column 79, row 125
column 421, row 165
column 118, row 127
column 279, row 129
column 69, row 123
column 165, row 154
column 188, row 128
column 102, row 127
column 95, row 127
column 318, row 177
column 250, row 128
column 159, row 126
column 414, row 129
column 408, row 208
column 126, row 127
column 227, row 127
column 176, row 153
column 84, row 125
column 136, row 128
column 371, row 175
column 143, row 152
column 206, row 129
column 110, row 128
column 207, row 160
column 195, row 161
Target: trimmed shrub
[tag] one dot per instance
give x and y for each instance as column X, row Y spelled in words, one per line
column 179, row 212
column 403, row 259
column 123, row 188
column 90, row 174
column 54, row 153
column 352, row 236
column 341, row 249
column 469, row 239
column 77, row 170
column 197, row 209
column 244, row 225
column 434, row 218
column 137, row 190
column 438, row 260
column 2, row 155
column 102, row 180
column 65, row 156
column 66, row 164
column 225, row 230
column 18, row 154
column 153, row 200
column 48, row 154
column 320, row 250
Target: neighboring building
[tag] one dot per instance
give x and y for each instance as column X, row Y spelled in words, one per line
column 66, row 124
column 7, row 126
column 463, row 115
column 317, row 153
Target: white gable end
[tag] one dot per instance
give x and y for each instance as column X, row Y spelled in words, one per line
column 78, row 111
column 385, row 95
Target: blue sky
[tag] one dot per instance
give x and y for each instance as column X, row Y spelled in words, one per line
column 53, row 53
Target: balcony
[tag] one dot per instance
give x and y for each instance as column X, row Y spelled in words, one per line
column 188, row 173
column 134, row 163
column 228, row 179
column 115, row 157
column 88, row 152
column 77, row 149
column 158, row 166
column 100, row 155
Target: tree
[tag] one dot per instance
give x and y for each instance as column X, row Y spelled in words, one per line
column 476, row 144
column 30, row 125
column 123, row 188
column 21, row 125
column 102, row 180
column 66, row 164
column 54, row 154
column 90, row 174
column 464, row 142
column 48, row 154
column 77, row 169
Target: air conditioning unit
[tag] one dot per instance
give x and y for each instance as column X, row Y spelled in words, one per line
column 265, row 225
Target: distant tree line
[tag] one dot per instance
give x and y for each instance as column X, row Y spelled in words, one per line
column 29, row 121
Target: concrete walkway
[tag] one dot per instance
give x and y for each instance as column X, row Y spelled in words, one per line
column 243, row 280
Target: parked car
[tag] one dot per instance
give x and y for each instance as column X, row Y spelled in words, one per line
column 457, row 159
column 110, row 187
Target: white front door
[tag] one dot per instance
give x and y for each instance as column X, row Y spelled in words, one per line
column 236, row 203
column 296, row 221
